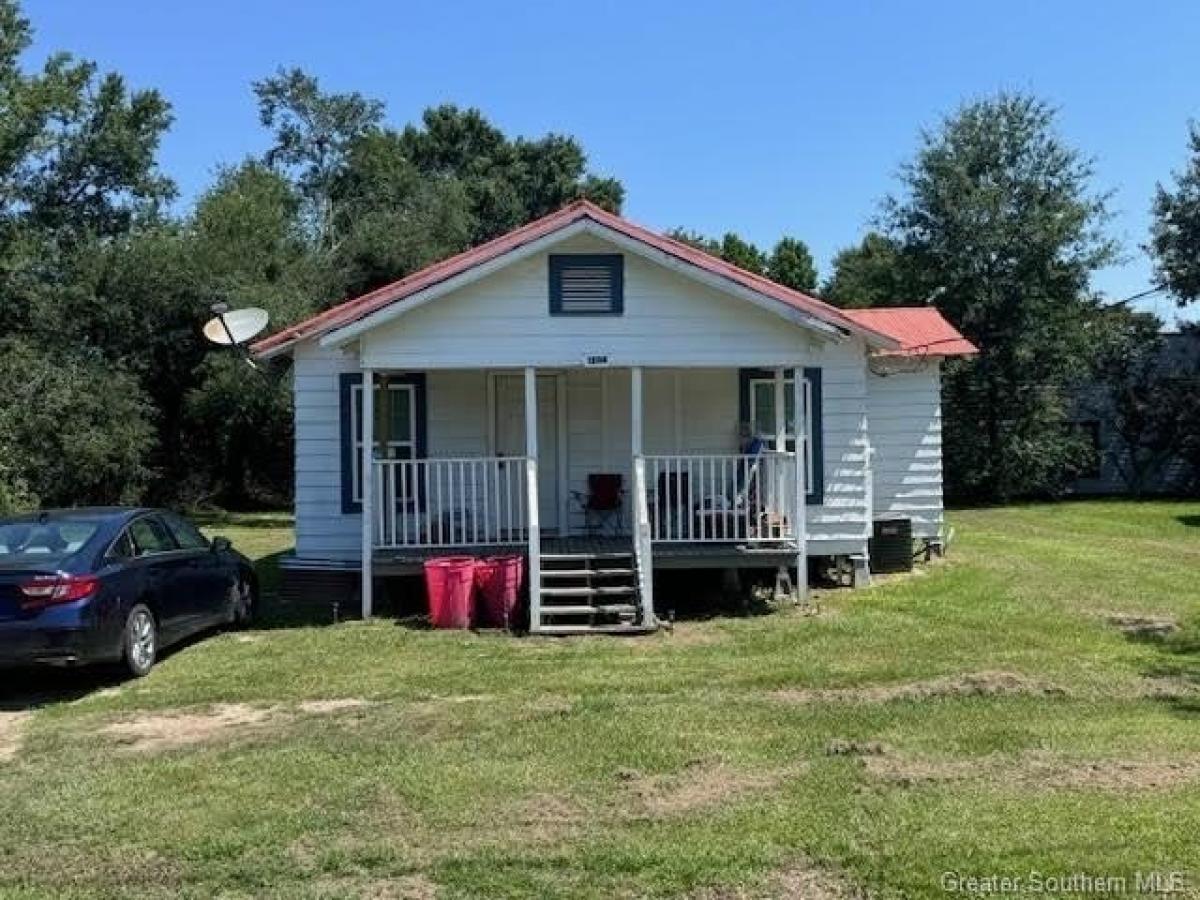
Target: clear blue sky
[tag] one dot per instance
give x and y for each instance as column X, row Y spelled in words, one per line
column 764, row 118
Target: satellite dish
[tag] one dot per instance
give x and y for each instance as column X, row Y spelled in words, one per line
column 232, row 327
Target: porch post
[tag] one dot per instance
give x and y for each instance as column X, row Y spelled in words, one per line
column 531, row 499
column 801, row 525
column 642, row 548
column 780, row 412
column 367, row 482
column 635, row 404
column 779, row 503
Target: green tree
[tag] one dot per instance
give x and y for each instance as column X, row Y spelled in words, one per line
column 507, row 182
column 78, row 175
column 999, row 219
column 313, row 132
column 79, row 426
column 1151, row 403
column 394, row 219
column 743, row 254
column 732, row 248
column 1175, row 234
column 874, row 273
column 791, row 264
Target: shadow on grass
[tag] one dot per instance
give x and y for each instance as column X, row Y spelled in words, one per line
column 32, row 687
column 1179, row 661
column 221, row 519
column 697, row 595
column 1189, row 521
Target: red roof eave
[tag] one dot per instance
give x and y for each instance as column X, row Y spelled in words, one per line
column 358, row 308
column 920, row 330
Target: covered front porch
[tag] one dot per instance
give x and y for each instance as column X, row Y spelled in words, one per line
column 580, row 470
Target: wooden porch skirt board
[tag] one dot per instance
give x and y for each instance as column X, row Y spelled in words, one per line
column 707, row 555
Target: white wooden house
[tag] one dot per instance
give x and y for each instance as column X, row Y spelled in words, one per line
column 608, row 402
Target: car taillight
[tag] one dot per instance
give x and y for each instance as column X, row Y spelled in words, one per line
column 47, row 590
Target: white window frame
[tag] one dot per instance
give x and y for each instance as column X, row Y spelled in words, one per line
column 393, row 445
column 765, row 431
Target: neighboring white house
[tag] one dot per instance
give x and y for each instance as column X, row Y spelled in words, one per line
column 607, row 401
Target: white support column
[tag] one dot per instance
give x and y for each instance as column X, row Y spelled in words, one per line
column 780, row 412
column 367, row 483
column 531, row 499
column 635, row 404
column 643, row 549
column 778, row 504
column 801, row 523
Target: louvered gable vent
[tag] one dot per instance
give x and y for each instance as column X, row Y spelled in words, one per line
column 587, row 284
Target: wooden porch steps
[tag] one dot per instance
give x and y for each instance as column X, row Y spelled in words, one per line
column 579, row 573
column 608, row 590
column 590, row 591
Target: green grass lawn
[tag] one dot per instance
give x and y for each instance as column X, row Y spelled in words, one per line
column 984, row 716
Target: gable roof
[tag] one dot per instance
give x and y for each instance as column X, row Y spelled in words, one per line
column 921, row 330
column 359, row 308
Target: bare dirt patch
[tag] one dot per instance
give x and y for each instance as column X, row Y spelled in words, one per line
column 701, row 785
column 322, row 707
column 545, row 819
column 975, row 684
column 404, row 887
column 162, row 731
column 801, row 881
column 1040, row 771
column 12, row 729
column 1139, row 626
column 153, row 732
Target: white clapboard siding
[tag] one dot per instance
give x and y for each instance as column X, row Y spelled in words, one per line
column 905, row 411
column 503, row 321
column 322, row 531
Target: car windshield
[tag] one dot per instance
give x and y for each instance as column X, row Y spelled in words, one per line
column 36, row 542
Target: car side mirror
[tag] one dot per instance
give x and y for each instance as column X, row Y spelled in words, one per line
column 221, row 544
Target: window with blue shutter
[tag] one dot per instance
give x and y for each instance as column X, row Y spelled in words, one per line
column 399, row 427
column 587, row 284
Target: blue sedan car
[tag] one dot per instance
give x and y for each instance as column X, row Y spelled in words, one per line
column 113, row 585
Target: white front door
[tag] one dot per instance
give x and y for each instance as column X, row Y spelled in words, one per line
column 510, row 435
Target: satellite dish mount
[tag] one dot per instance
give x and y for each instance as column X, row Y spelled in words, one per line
column 235, row 327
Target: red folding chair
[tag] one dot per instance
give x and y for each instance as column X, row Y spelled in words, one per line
column 603, row 503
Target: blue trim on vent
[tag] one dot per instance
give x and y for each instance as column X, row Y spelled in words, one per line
column 614, row 262
column 346, row 383
column 816, row 490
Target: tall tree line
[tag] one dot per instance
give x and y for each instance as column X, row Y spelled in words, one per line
column 998, row 223
column 111, row 395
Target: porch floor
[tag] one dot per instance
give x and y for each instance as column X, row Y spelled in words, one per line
column 694, row 555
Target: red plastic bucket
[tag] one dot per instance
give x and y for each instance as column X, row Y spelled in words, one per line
column 499, row 581
column 450, row 583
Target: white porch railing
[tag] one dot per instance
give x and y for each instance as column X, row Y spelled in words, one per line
column 722, row 498
column 467, row 502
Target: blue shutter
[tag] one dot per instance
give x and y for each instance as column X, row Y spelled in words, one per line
column 816, row 487
column 587, row 284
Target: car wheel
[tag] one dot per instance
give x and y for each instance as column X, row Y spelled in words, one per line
column 241, row 604
column 141, row 641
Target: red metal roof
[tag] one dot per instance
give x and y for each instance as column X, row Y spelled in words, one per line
column 921, row 330
column 360, row 307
